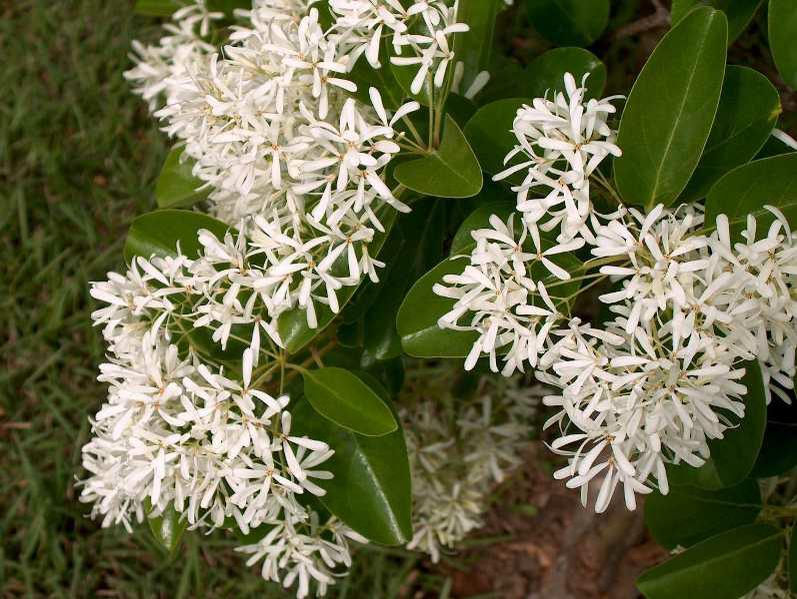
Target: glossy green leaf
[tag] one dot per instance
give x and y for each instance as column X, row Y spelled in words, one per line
column 546, row 72
column 451, row 171
column 725, row 566
column 168, row 529
column 783, row 39
column 748, row 110
column 417, row 318
column 341, row 397
column 569, row 22
column 460, row 108
column 475, row 46
column 779, row 449
column 732, row 457
column 748, row 188
column 176, row 185
column 292, row 325
column 159, row 233
column 739, row 12
column 505, row 74
column 371, row 489
column 489, row 132
column 422, row 235
column 688, row 515
column 669, row 113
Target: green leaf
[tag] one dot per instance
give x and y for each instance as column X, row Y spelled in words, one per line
column 159, row 233
column 417, row 318
column 489, row 132
column 371, row 489
column 783, row 39
column 725, row 566
column 505, row 74
column 779, row 449
column 292, row 326
column 687, row 515
column 748, row 109
column 475, row 46
column 732, row 457
column 668, row 116
column 341, row 397
column 168, row 529
column 451, row 171
column 748, row 188
column 569, row 22
column 422, row 235
column 177, row 186
column 739, row 12
column 547, row 72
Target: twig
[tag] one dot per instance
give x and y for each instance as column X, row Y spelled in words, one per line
column 660, row 18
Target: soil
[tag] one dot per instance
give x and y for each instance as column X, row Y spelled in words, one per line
column 565, row 551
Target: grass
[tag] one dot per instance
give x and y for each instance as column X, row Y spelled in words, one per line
column 78, row 158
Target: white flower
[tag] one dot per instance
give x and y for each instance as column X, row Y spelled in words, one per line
column 561, row 142
column 452, row 480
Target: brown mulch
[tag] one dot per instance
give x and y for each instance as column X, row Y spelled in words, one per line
column 564, row 551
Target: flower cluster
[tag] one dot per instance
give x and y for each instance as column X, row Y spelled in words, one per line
column 420, row 34
column 178, row 431
column 690, row 307
column 273, row 135
column 457, row 460
column 561, row 143
column 184, row 49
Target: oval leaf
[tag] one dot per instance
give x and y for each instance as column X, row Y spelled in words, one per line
column 569, row 22
column 475, row 46
column 668, row 116
column 417, row 318
column 159, row 233
column 748, row 188
column 779, row 449
column 489, row 132
column 547, row 72
column 725, row 566
column 688, row 515
column 739, row 12
column 341, row 397
column 176, row 185
column 783, row 39
column 451, row 171
column 748, row 110
column 370, row 490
